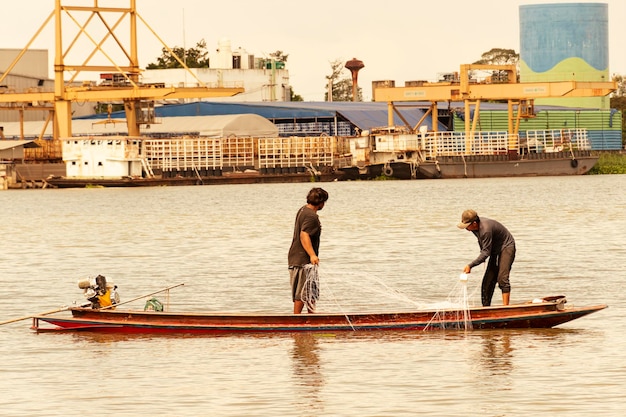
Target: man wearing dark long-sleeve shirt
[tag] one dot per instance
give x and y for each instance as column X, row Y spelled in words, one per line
column 497, row 244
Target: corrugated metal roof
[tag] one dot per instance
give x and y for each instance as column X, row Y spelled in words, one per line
column 364, row 115
column 187, row 118
column 210, row 126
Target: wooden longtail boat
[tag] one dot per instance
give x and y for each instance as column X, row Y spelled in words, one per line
column 541, row 313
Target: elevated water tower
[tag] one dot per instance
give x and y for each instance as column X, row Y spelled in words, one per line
column 354, row 65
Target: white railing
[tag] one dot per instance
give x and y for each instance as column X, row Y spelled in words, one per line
column 434, row 144
column 295, row 151
column 238, row 152
column 556, row 140
column 216, row 153
column 458, row 143
column 184, row 154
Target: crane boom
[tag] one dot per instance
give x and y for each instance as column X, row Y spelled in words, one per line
column 59, row 101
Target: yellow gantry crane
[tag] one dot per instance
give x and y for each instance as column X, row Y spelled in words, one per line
column 519, row 96
column 131, row 91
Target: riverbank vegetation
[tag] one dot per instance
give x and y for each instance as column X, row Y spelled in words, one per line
column 610, row 163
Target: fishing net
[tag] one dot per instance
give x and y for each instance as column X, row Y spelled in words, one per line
column 347, row 290
column 456, row 313
column 360, row 289
column 311, row 288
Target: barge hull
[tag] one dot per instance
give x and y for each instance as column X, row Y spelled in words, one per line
column 66, row 182
column 494, row 166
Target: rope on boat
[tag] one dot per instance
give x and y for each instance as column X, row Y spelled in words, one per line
column 414, row 166
column 388, row 170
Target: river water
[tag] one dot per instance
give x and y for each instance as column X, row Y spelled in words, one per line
column 385, row 245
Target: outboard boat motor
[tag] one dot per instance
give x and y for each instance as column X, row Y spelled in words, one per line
column 99, row 292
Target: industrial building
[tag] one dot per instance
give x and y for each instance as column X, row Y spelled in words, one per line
column 350, row 119
column 170, row 112
column 262, row 78
column 343, row 119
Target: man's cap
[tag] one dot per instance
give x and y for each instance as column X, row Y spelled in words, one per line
column 468, row 217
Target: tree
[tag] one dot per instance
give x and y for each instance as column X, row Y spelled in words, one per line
column 499, row 56
column 279, row 56
column 341, row 87
column 618, row 101
column 621, row 85
column 294, row 96
column 197, row 57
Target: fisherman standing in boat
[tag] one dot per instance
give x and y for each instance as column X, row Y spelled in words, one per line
column 303, row 253
column 497, row 244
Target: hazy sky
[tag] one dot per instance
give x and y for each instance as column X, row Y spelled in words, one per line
column 399, row 40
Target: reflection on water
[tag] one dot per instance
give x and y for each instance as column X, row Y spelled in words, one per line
column 504, row 354
column 496, row 354
column 307, row 373
column 494, row 367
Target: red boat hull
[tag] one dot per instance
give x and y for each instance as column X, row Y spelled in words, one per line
column 529, row 315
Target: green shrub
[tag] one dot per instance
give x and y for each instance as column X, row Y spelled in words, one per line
column 610, row 163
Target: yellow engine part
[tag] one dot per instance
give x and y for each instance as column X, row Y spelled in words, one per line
column 105, row 299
